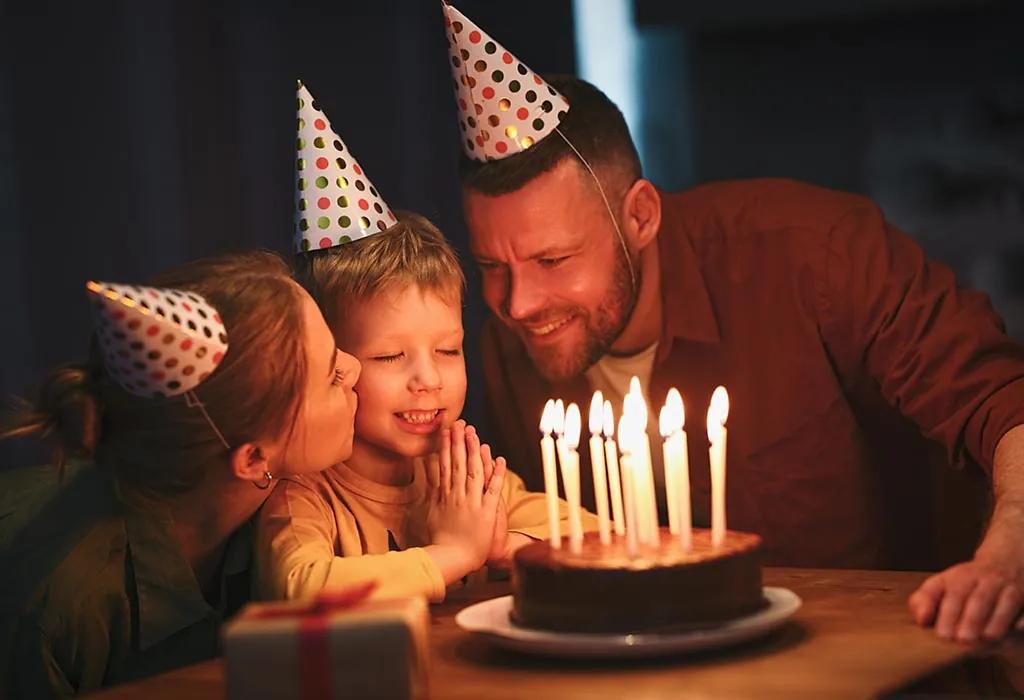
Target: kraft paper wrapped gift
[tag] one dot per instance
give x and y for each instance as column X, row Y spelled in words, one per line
column 341, row 645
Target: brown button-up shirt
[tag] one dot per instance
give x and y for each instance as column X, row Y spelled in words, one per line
column 850, row 358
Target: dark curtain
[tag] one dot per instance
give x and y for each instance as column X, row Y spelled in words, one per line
column 138, row 135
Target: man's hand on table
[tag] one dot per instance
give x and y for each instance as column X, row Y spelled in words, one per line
column 980, row 599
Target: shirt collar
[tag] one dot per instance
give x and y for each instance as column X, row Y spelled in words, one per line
column 168, row 594
column 686, row 308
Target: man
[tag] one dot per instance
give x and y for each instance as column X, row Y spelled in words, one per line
column 839, row 342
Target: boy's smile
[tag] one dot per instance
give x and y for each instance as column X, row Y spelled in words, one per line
column 421, row 422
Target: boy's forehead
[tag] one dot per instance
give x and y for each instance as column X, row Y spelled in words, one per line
column 403, row 311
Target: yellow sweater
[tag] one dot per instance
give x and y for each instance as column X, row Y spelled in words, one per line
column 337, row 528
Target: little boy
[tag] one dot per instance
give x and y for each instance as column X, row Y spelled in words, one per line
column 421, row 503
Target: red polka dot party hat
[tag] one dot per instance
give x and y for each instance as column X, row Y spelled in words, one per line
column 504, row 107
column 156, row 342
column 335, row 203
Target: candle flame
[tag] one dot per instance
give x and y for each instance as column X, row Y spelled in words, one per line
column 609, row 420
column 596, row 413
column 672, row 417
column 573, row 426
column 546, row 418
column 625, row 443
column 634, row 405
column 634, row 386
column 558, row 417
column 718, row 411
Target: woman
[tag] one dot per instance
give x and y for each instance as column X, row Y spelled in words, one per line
column 125, row 564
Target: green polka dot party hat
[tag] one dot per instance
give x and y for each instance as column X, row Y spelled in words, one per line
column 335, row 203
column 504, row 107
column 156, row 342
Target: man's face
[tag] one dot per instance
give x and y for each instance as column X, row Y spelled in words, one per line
column 552, row 268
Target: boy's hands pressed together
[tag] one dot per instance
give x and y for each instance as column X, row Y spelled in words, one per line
column 462, row 506
column 505, row 543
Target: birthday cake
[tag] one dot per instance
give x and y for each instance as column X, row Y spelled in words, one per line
column 602, row 589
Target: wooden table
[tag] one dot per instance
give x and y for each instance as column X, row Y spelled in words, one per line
column 853, row 638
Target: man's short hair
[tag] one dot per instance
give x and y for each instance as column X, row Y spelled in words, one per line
column 412, row 252
column 593, row 124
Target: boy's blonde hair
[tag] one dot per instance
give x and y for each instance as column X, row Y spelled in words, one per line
column 412, row 252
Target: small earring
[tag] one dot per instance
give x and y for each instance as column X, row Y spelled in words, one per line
column 264, row 485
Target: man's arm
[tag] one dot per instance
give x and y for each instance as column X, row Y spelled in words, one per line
column 939, row 353
column 982, row 598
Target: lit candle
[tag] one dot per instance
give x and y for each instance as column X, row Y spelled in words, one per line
column 718, row 412
column 677, row 468
column 571, row 475
column 598, row 467
column 628, row 483
column 547, row 453
column 646, row 497
column 611, row 453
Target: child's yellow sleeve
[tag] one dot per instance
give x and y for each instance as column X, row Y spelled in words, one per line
column 301, row 544
column 528, row 510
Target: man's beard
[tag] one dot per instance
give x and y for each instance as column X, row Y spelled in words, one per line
column 601, row 329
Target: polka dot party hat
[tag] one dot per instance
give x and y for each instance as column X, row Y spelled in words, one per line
column 335, row 203
column 156, row 342
column 504, row 107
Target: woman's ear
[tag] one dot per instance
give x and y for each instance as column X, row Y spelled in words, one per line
column 250, row 462
column 641, row 209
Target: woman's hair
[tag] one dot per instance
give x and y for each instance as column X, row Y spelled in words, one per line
column 163, row 446
column 412, row 252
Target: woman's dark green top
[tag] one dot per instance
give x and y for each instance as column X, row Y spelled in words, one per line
column 94, row 589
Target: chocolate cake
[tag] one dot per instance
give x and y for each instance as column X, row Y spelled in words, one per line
column 661, row 589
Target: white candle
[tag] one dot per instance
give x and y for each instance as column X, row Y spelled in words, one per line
column 670, row 452
column 718, row 412
column 571, row 475
column 628, row 486
column 611, row 453
column 547, row 453
column 598, row 467
column 647, row 504
column 677, row 468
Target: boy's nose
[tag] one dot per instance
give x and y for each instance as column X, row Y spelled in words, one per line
column 425, row 378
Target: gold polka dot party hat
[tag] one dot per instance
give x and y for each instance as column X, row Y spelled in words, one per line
column 504, row 107
column 156, row 342
column 335, row 203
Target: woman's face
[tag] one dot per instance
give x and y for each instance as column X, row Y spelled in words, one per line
column 323, row 430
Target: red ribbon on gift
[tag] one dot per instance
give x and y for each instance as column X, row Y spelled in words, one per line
column 314, row 661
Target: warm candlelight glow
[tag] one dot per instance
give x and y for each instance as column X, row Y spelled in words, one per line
column 570, row 459
column 596, row 421
column 628, row 484
column 597, row 465
column 547, row 420
column 558, row 417
column 573, row 426
column 611, row 456
column 677, row 467
column 718, row 412
column 635, row 407
column 547, row 453
column 634, row 386
column 672, row 417
column 609, row 420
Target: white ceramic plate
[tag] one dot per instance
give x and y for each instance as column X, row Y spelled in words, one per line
column 491, row 620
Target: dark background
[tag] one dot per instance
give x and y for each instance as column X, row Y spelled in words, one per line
column 136, row 135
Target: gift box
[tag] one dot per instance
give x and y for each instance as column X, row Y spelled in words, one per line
column 340, row 645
